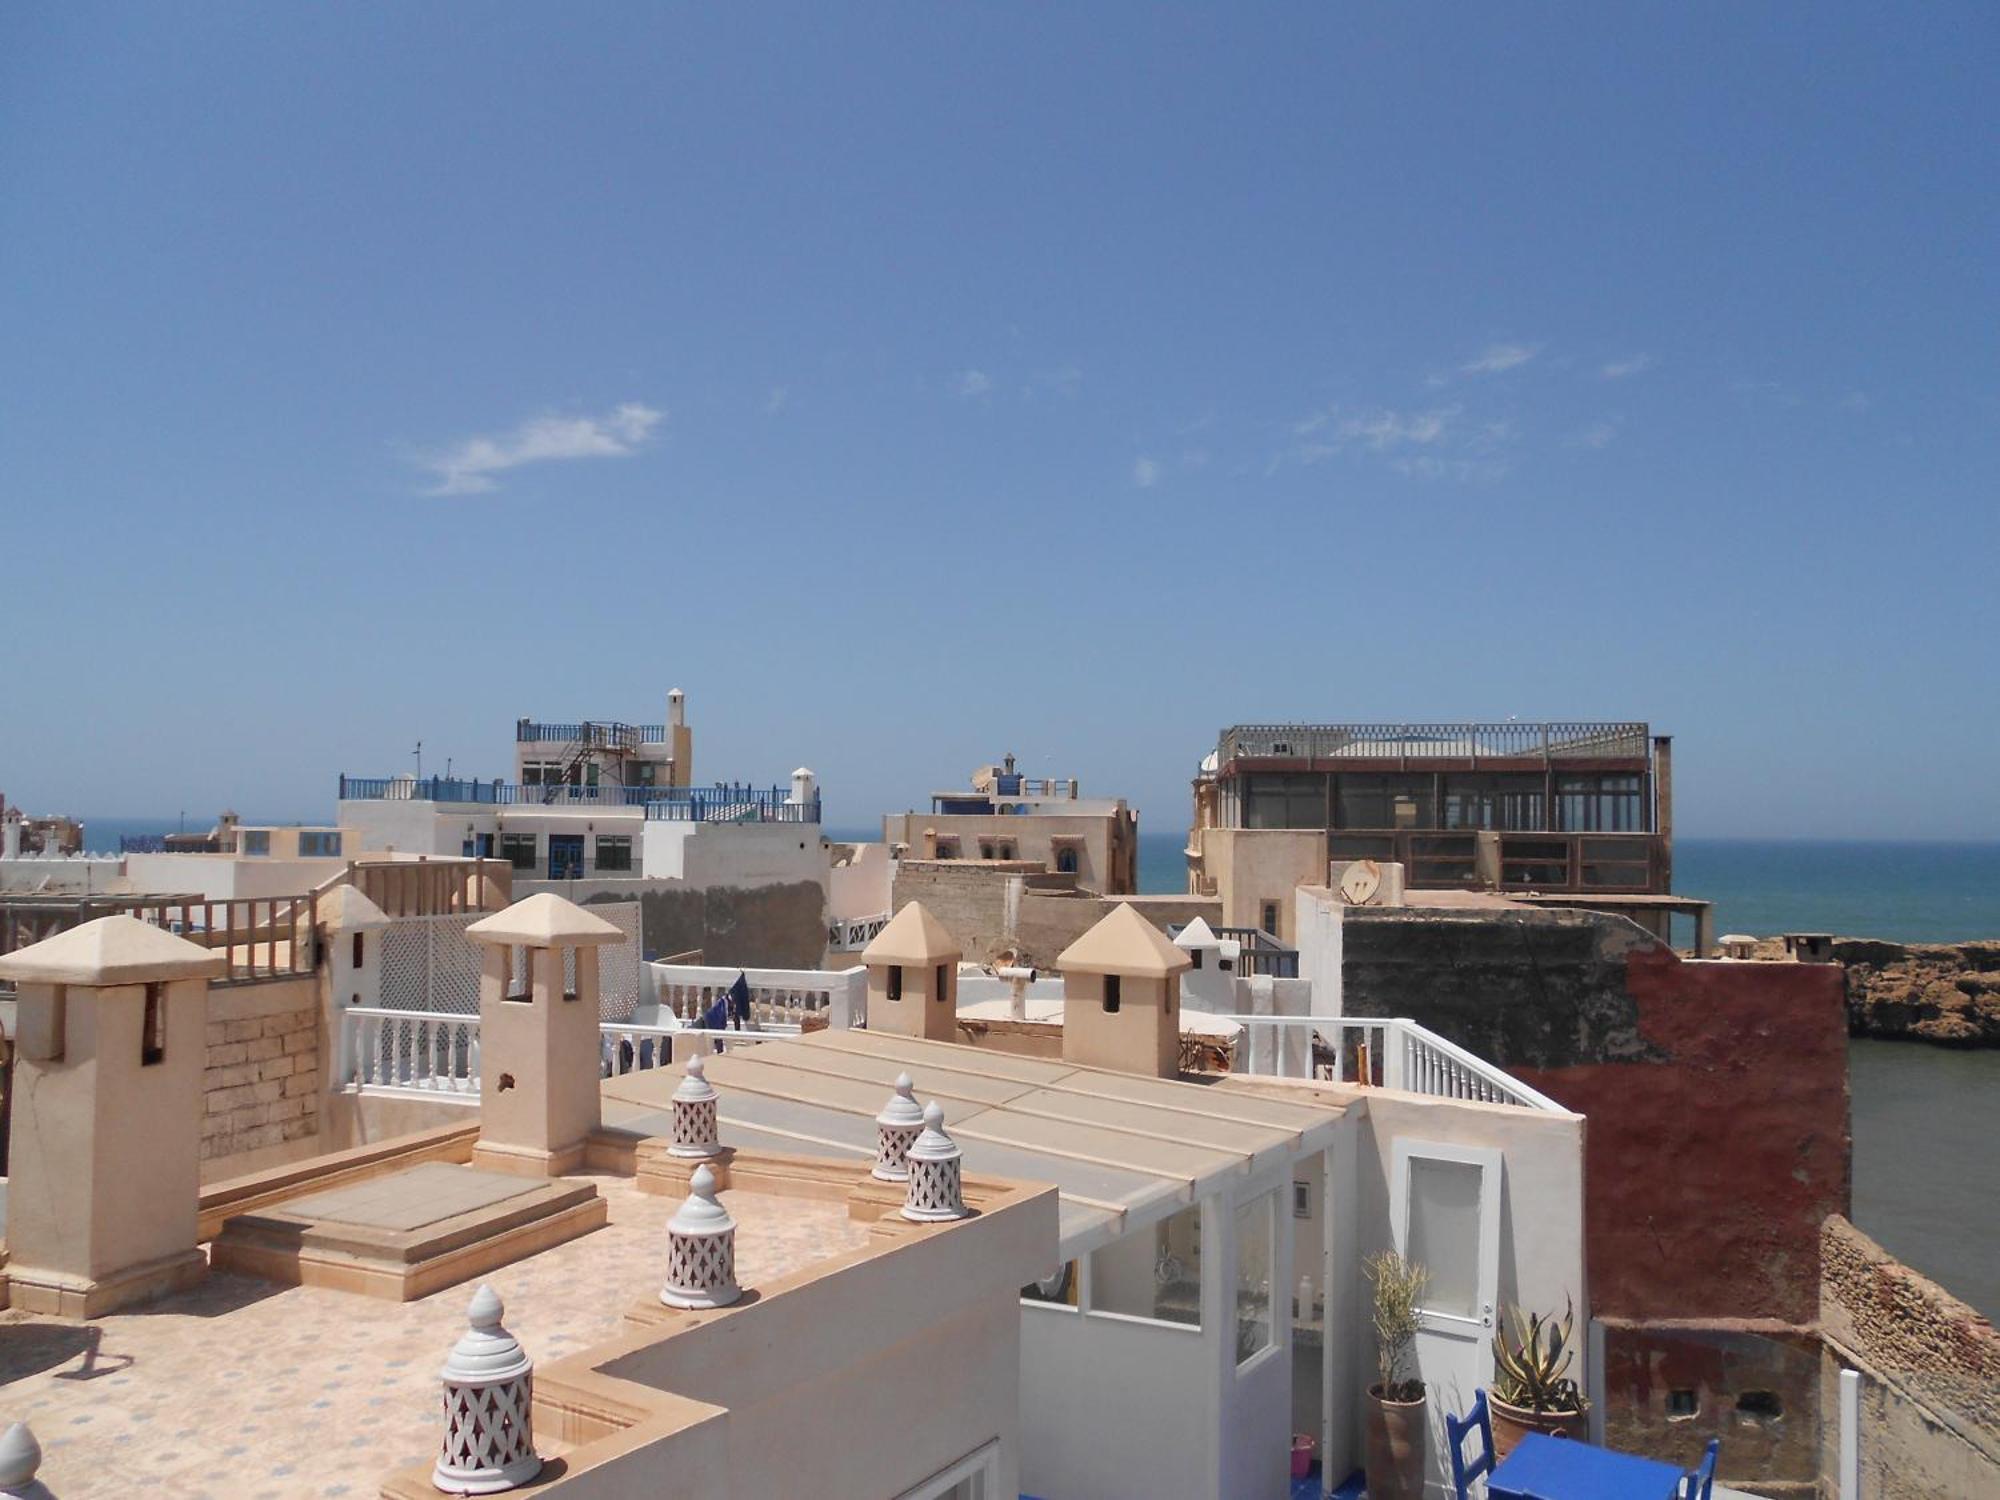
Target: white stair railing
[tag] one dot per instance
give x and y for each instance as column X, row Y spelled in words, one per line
column 1393, row 1053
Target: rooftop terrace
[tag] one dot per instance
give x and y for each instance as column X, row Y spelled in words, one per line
column 725, row 802
column 245, row 1387
column 1468, row 741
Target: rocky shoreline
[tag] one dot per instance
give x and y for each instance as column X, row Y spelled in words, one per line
column 1944, row 993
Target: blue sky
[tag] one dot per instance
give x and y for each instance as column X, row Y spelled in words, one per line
column 911, row 384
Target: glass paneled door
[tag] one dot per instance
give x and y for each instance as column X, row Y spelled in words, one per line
column 1445, row 1211
column 565, row 856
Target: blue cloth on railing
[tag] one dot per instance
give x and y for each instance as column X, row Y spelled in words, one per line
column 739, row 1000
column 716, row 1017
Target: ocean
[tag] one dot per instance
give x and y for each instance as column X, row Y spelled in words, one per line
column 1907, row 892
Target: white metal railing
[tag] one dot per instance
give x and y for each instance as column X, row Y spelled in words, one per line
column 1392, row 1053
column 431, row 1052
column 778, row 997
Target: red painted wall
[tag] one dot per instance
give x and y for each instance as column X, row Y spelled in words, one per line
column 1710, row 1165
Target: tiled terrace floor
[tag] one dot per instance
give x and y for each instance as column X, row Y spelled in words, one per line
column 244, row 1388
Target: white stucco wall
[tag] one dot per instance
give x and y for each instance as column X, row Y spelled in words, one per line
column 1541, row 1199
column 738, row 854
column 1319, row 928
column 1113, row 1409
column 80, row 875
column 226, row 877
column 861, row 887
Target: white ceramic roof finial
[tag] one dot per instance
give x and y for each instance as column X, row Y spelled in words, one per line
column 20, row 1458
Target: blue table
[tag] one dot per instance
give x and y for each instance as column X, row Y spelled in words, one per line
column 1546, row 1468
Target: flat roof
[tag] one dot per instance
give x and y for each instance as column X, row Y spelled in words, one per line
column 1122, row 1150
column 242, row 1386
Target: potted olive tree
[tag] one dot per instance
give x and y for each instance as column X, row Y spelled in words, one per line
column 1532, row 1388
column 1395, row 1433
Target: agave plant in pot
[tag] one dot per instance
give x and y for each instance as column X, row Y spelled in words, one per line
column 1532, row 1388
column 1395, row 1430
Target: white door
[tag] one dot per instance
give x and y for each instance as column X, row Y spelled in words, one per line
column 1445, row 1207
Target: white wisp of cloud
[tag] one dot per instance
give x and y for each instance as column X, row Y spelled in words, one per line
column 468, row 467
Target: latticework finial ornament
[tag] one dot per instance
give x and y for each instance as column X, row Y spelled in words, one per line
column 489, row 1389
column 701, row 1249
column 896, row 1129
column 694, row 1113
column 936, row 1192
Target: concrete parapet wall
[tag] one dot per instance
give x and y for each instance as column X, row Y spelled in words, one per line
column 262, row 1082
column 1930, row 1367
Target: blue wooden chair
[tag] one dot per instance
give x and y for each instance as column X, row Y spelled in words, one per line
column 1458, row 1429
column 1699, row 1482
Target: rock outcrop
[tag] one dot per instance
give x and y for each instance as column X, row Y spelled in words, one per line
column 1948, row 993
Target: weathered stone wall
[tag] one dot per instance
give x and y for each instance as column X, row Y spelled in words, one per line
column 1669, row 1388
column 769, row 927
column 1930, row 1367
column 263, row 1082
column 1717, row 1142
column 971, row 898
column 1716, row 1092
column 1042, row 914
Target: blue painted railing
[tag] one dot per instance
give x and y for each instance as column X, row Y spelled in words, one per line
column 600, row 732
column 731, row 804
column 725, row 802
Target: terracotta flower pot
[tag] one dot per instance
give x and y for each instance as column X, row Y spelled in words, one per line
column 1511, row 1423
column 1395, row 1454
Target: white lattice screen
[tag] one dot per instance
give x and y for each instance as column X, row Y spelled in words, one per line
column 428, row 963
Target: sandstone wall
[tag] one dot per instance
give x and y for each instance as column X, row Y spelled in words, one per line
column 991, row 904
column 1930, row 1367
column 779, row 926
column 263, row 1081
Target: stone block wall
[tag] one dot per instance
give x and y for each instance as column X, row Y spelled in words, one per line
column 991, row 904
column 264, row 1080
column 1930, row 1368
column 768, row 926
column 1754, row 1384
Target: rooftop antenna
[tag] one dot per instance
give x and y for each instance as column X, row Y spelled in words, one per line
column 420, row 760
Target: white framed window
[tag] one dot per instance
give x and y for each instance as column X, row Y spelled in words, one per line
column 1256, row 1276
column 1152, row 1274
column 974, row 1477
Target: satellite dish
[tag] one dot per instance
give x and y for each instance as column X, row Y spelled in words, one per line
column 1360, row 881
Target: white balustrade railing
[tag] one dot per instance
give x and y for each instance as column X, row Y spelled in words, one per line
column 394, row 1050
column 1392, row 1053
column 632, row 1048
column 433, row 1053
column 778, row 997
